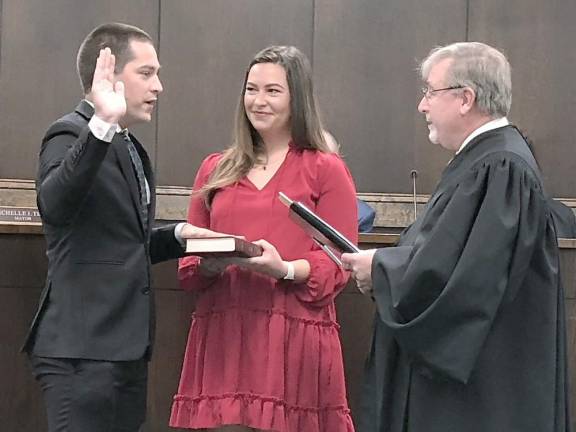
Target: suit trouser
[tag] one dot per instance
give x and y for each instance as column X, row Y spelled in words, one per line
column 92, row 396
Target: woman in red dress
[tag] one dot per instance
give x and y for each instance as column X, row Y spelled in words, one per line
column 263, row 351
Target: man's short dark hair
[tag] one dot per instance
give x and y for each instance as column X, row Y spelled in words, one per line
column 117, row 37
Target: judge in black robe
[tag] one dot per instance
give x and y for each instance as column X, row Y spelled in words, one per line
column 469, row 334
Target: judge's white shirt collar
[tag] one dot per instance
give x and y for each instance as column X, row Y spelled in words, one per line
column 493, row 124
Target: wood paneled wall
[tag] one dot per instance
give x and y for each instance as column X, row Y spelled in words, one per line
column 364, row 54
column 21, row 279
column 205, row 47
column 24, row 267
column 538, row 39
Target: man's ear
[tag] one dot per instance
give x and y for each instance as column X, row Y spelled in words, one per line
column 468, row 100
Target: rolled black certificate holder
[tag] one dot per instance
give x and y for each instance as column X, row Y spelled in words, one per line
column 323, row 233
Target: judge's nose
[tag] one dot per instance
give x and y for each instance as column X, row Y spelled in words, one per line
column 423, row 105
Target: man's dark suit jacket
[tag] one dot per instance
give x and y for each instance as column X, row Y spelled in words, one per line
column 97, row 303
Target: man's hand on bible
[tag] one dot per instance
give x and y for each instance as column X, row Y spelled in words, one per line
column 192, row 231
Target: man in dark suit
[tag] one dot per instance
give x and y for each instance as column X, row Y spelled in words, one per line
column 90, row 340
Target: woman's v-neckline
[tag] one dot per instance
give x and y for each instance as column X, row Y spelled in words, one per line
column 271, row 179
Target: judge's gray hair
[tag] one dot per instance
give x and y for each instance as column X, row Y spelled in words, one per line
column 480, row 67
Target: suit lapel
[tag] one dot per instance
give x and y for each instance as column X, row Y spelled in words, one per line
column 119, row 145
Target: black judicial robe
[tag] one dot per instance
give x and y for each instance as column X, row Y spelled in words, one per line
column 470, row 329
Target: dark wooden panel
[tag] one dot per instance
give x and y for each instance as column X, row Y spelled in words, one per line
column 571, row 341
column 568, row 271
column 205, row 48
column 174, row 310
column 21, row 408
column 537, row 38
column 164, row 275
column 38, row 76
column 23, row 265
column 22, row 275
column 22, row 272
column 365, row 57
column 355, row 315
column 568, row 268
column 23, row 262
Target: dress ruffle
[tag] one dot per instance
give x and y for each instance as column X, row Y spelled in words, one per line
column 271, row 371
column 251, row 410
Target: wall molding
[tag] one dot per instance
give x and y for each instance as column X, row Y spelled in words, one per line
column 393, row 211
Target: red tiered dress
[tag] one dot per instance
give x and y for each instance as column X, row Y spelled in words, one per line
column 261, row 352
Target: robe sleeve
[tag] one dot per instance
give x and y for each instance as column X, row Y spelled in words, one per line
column 440, row 295
column 198, row 215
column 337, row 205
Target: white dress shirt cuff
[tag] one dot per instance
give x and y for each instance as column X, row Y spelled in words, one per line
column 178, row 233
column 101, row 129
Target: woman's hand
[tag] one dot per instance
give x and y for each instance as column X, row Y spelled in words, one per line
column 215, row 266
column 269, row 263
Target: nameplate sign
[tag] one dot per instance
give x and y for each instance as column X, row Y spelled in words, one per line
column 19, row 215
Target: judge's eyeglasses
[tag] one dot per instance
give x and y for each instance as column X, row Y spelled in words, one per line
column 429, row 92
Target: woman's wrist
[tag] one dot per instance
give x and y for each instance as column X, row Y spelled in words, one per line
column 290, row 271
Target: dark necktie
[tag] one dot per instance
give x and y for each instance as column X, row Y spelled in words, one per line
column 139, row 170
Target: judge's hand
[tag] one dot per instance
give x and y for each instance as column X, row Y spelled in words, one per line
column 106, row 93
column 360, row 264
column 269, row 263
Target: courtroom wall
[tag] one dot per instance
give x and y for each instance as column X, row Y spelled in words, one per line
column 364, row 54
